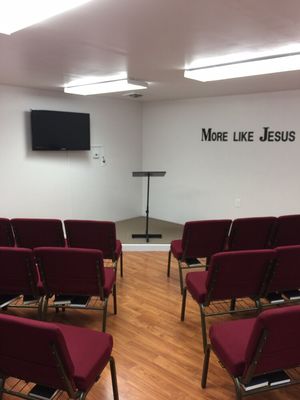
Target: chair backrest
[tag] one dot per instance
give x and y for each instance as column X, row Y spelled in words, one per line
column 281, row 349
column 18, row 274
column 71, row 271
column 204, row 238
column 238, row 274
column 35, row 232
column 99, row 235
column 286, row 273
column 251, row 233
column 287, row 232
column 26, row 351
column 6, row 233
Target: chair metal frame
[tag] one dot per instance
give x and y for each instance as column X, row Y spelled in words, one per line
column 183, row 264
column 69, row 385
column 232, row 310
column 20, row 238
column 45, row 301
column 112, row 246
column 250, row 373
column 235, row 230
column 38, row 298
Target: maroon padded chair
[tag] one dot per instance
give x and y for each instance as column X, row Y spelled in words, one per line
column 18, row 276
column 59, row 356
column 76, row 272
column 233, row 274
column 99, row 235
column 6, row 234
column 287, row 231
column 255, row 346
column 200, row 239
column 37, row 232
column 286, row 273
column 251, row 233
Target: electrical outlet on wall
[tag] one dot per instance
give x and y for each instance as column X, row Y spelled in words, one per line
column 97, row 152
column 102, row 161
column 237, row 202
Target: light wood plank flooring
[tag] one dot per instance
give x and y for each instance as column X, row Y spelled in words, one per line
column 157, row 356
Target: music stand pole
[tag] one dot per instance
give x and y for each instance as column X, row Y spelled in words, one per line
column 147, row 209
column 147, row 235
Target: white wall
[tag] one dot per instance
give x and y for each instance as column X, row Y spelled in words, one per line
column 204, row 179
column 69, row 184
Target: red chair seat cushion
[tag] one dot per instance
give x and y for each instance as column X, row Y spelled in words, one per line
column 109, row 280
column 176, row 249
column 89, row 351
column 230, row 340
column 196, row 285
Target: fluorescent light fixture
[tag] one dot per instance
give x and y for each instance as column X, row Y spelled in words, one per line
column 243, row 68
column 118, row 83
column 19, row 14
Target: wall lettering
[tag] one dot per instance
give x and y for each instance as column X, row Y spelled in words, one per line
column 267, row 134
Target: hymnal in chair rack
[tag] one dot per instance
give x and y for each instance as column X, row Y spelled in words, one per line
column 147, row 235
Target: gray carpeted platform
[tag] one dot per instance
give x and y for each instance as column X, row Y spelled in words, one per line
column 169, row 230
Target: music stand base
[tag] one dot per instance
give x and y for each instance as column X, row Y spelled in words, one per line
column 146, row 236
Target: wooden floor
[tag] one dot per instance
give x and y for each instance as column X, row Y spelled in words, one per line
column 157, row 356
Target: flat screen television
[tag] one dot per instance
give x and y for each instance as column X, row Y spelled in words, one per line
column 60, row 130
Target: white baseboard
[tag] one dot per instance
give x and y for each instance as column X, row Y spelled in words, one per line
column 146, row 247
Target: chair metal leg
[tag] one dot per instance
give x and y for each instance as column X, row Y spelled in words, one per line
column 44, row 308
column 205, row 367
column 169, row 263
column 2, row 382
column 258, row 305
column 115, row 298
column 40, row 308
column 114, row 382
column 238, row 389
column 183, row 304
column 203, row 327
column 82, row 396
column 121, row 264
column 104, row 314
column 180, row 277
column 232, row 304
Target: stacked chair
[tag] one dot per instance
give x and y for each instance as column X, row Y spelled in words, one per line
column 36, row 265
column 257, row 350
column 75, row 272
column 6, row 233
column 200, row 239
column 89, row 243
column 287, row 231
column 99, row 235
column 19, row 277
column 251, row 233
column 284, row 281
column 34, row 232
column 260, row 260
column 233, row 274
column 57, row 356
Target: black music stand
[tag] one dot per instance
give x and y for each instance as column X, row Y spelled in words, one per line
column 147, row 235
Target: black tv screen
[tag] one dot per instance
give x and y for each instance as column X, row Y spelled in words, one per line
column 59, row 130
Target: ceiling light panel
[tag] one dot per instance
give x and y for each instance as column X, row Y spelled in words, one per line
column 268, row 65
column 19, row 14
column 112, row 86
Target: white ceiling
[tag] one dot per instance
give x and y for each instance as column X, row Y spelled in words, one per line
column 153, row 40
